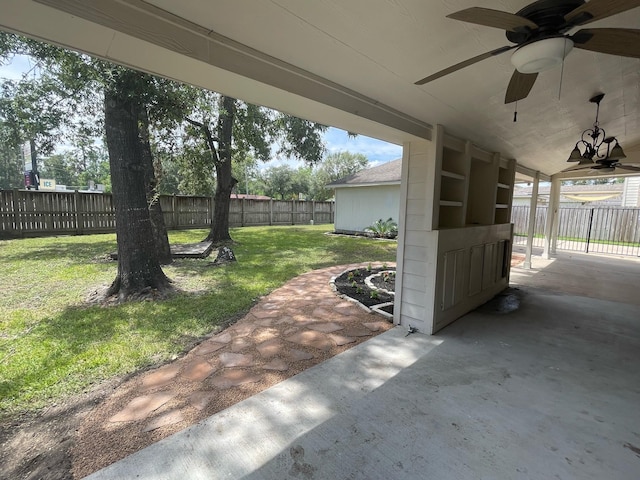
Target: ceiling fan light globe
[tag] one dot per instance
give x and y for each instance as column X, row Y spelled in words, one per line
column 541, row 55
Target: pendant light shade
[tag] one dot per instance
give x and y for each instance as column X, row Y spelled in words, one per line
column 616, row 152
column 575, row 156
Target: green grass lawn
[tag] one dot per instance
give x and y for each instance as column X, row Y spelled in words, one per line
column 52, row 344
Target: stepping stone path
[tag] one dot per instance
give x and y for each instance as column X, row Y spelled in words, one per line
column 295, row 327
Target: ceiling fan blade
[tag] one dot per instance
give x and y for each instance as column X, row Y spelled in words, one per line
column 461, row 65
column 615, row 41
column 519, row 86
column 628, row 168
column 576, row 168
column 599, row 9
column 494, row 18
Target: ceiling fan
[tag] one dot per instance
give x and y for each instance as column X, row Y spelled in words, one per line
column 539, row 32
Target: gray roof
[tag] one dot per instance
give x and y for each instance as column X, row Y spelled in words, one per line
column 387, row 173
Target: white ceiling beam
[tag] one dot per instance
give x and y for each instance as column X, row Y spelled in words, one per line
column 148, row 23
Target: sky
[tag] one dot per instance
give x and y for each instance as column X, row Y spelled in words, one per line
column 336, row 140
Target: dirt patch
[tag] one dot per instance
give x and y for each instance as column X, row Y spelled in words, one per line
column 36, row 446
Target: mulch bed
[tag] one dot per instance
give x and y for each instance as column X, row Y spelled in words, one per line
column 352, row 284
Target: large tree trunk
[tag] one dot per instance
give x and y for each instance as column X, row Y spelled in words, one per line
column 163, row 250
column 139, row 271
column 224, row 179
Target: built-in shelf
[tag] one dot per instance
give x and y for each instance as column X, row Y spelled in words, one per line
column 473, row 186
column 455, row 176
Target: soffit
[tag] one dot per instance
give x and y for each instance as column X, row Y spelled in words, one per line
column 378, row 48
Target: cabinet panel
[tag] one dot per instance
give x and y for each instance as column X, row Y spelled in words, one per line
column 488, row 266
column 453, row 281
column 500, row 259
column 475, row 269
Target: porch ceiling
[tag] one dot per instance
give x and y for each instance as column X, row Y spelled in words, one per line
column 362, row 58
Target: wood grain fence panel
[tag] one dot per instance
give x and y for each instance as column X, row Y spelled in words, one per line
column 41, row 213
column 256, row 212
column 281, row 212
column 235, row 212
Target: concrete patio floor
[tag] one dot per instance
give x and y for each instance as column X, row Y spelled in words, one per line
column 550, row 390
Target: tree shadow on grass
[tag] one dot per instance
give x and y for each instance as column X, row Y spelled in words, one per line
column 66, row 353
column 77, row 251
column 23, row 443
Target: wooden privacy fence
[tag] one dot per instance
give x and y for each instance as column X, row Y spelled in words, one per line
column 31, row 213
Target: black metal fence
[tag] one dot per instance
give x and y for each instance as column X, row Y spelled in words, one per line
column 612, row 230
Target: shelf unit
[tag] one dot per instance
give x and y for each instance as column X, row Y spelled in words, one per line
column 473, row 186
column 504, row 191
column 483, row 177
column 454, row 172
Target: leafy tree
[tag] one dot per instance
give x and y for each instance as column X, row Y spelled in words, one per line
column 232, row 129
column 11, row 161
column 594, row 181
column 279, row 181
column 245, row 170
column 335, row 166
column 60, row 167
column 301, row 182
column 138, row 263
column 127, row 98
column 32, row 112
column 67, row 169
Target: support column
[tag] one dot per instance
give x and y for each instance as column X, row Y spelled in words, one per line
column 551, row 227
column 556, row 217
column 417, row 246
column 533, row 207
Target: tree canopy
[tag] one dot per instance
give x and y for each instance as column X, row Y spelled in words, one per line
column 139, row 118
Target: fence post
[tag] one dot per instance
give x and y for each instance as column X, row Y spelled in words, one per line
column 79, row 210
column 313, row 212
column 174, row 213
column 17, row 221
column 293, row 207
column 589, row 230
column 242, row 212
column 270, row 211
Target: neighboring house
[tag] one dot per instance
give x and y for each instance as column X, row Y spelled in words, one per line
column 608, row 195
column 367, row 196
column 631, row 192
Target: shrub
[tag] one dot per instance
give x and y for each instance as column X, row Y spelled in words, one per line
column 383, row 229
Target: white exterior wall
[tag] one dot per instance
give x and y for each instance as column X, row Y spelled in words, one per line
column 359, row 207
column 631, row 193
column 417, row 243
